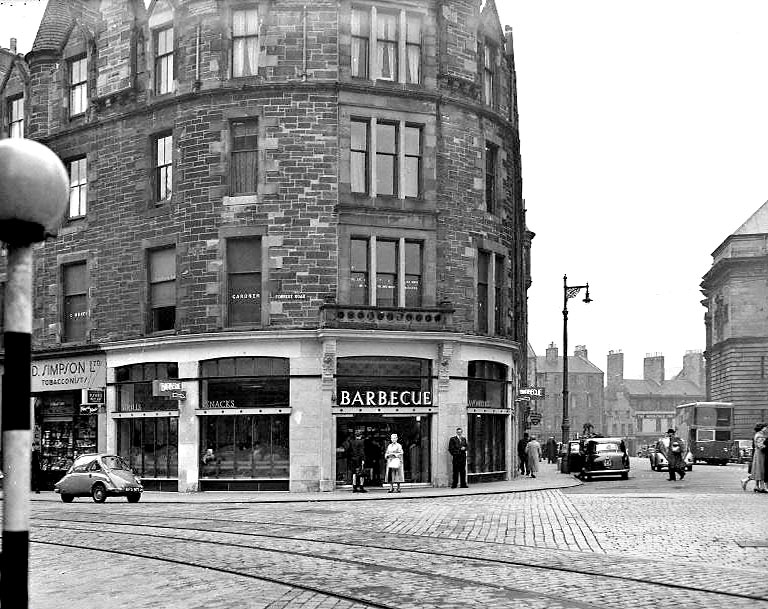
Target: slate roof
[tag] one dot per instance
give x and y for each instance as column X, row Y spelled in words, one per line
column 672, row 387
column 575, row 365
column 757, row 223
column 54, row 26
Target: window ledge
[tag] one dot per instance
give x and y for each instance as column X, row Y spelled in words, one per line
column 163, row 333
column 244, row 199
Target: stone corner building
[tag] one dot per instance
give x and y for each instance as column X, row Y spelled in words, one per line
column 736, row 298
column 289, row 224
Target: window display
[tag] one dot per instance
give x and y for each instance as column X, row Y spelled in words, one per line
column 150, row 446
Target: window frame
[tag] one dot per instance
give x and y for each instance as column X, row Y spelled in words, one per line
column 489, row 62
column 162, row 175
column 401, row 70
column 491, row 177
column 373, row 271
column 245, row 38
column 164, row 63
column 229, row 273
column 493, row 312
column 152, row 320
column 235, row 153
column 15, row 123
column 364, row 39
column 75, row 87
column 399, row 156
column 66, row 298
column 80, row 186
column 365, row 152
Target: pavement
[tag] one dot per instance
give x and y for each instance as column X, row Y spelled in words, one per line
column 546, row 479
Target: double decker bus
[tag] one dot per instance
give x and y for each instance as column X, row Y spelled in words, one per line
column 707, row 429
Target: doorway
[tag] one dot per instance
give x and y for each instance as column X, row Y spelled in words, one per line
column 414, row 434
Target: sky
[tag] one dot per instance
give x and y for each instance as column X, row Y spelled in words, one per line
column 644, row 142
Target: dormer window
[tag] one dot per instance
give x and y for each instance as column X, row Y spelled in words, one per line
column 78, row 86
column 164, row 60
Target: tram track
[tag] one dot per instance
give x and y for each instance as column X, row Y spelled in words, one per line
column 495, row 575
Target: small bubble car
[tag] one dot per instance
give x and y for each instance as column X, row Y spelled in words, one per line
column 99, row 476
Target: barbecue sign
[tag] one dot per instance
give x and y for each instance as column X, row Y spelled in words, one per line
column 537, row 393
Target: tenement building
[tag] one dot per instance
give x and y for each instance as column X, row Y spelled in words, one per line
column 294, row 229
column 735, row 295
column 585, row 393
column 641, row 410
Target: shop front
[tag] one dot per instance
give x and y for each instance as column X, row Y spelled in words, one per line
column 488, row 418
column 147, row 423
column 376, row 397
column 244, row 423
column 69, row 417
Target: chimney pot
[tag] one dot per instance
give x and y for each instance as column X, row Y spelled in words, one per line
column 13, row 45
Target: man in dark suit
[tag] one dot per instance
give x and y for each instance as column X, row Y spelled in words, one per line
column 457, row 446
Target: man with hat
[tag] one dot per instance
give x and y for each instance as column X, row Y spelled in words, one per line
column 457, row 446
column 675, row 455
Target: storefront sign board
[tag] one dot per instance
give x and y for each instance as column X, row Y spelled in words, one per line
column 92, row 396
column 167, row 389
column 65, row 374
column 537, row 393
column 384, row 398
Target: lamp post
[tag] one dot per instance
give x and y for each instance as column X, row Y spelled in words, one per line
column 34, row 189
column 569, row 291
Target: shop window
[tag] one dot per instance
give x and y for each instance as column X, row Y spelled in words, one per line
column 244, row 446
column 491, row 159
column 75, row 301
column 245, row 382
column 163, row 167
column 164, row 60
column 150, row 446
column 134, row 386
column 78, row 187
column 162, row 289
column 486, row 435
column 390, row 173
column 16, row 117
column 244, row 280
column 487, row 384
column 64, row 432
column 396, row 34
column 245, row 42
column 78, row 86
column 397, row 276
column 244, row 157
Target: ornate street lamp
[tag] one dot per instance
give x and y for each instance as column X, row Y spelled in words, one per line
column 569, row 291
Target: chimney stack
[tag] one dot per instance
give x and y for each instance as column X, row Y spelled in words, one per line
column 653, row 367
column 581, row 351
column 13, row 46
column 615, row 372
column 693, row 368
column 552, row 352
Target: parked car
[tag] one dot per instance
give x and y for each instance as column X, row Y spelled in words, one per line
column 740, row 451
column 99, row 476
column 602, row 457
column 659, row 462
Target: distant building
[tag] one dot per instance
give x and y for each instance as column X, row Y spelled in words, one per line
column 643, row 409
column 736, row 297
column 585, row 392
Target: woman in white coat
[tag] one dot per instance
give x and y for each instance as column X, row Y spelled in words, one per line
column 533, row 454
column 395, row 470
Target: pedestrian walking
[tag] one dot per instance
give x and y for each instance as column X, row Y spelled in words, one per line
column 395, row 470
column 551, row 450
column 533, row 454
column 522, row 457
column 457, row 446
column 675, row 455
column 36, row 473
column 759, row 468
column 356, row 462
column 750, row 477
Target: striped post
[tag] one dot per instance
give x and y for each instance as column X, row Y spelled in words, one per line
column 34, row 193
column 17, row 440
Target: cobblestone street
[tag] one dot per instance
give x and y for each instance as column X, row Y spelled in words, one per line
column 535, row 546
